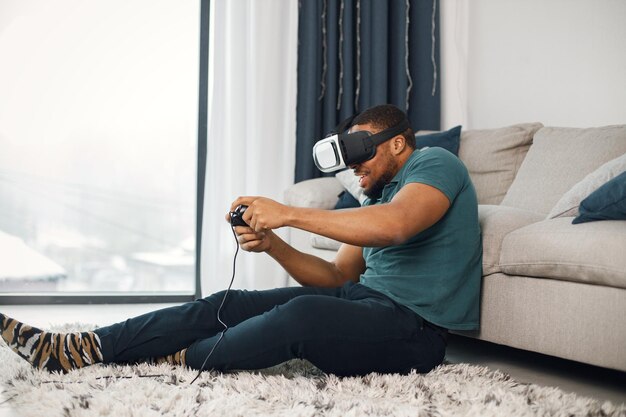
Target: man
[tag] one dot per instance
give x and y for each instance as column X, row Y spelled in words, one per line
column 408, row 271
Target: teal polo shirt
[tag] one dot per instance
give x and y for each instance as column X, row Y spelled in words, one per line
column 437, row 272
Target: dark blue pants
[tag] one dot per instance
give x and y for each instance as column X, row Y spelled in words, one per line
column 352, row 330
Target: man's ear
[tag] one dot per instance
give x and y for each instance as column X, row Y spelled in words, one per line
column 398, row 143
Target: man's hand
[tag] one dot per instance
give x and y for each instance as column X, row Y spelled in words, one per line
column 251, row 241
column 262, row 213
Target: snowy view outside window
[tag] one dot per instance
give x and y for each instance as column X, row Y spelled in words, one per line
column 98, row 146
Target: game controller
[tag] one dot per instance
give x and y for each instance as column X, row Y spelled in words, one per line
column 236, row 217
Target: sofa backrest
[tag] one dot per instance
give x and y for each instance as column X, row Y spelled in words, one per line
column 558, row 159
column 493, row 157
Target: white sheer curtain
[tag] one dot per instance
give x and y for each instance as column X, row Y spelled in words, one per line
column 251, row 134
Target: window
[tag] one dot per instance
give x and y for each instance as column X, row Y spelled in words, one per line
column 98, row 146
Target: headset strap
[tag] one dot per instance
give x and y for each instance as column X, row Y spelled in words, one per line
column 344, row 124
column 390, row 132
column 378, row 138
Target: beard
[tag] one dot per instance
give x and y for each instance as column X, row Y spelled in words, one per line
column 376, row 190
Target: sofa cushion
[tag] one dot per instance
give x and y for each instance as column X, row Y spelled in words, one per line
column 493, row 157
column 606, row 203
column 323, row 242
column 495, row 223
column 591, row 253
column 319, row 193
column 558, row 159
column 567, row 206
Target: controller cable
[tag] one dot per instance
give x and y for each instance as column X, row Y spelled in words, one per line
column 232, row 279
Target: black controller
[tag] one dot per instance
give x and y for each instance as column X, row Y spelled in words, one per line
column 236, row 217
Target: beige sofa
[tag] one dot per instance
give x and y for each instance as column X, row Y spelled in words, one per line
column 549, row 286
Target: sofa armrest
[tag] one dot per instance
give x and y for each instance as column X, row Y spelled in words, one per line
column 321, row 193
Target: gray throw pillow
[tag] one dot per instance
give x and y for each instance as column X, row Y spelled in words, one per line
column 568, row 205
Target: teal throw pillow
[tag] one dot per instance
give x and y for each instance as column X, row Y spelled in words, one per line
column 448, row 140
column 606, row 203
column 346, row 200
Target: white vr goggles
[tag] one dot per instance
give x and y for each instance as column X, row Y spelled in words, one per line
column 344, row 149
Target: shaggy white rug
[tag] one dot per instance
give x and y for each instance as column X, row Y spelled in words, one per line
column 295, row 388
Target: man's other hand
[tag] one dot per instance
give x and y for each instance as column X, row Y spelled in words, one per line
column 251, row 241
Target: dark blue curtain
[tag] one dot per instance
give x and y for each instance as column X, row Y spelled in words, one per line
column 354, row 54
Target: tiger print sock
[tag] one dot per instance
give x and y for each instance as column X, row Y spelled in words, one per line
column 177, row 358
column 51, row 351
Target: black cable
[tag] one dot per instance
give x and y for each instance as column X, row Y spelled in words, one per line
column 232, row 279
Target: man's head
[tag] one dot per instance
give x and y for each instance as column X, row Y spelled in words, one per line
column 382, row 117
column 390, row 155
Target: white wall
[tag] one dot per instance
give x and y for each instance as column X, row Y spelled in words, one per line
column 560, row 62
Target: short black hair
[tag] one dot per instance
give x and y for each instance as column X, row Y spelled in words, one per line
column 383, row 117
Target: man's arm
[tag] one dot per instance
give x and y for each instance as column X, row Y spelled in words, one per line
column 413, row 209
column 308, row 270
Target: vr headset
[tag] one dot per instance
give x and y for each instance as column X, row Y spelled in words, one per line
column 344, row 149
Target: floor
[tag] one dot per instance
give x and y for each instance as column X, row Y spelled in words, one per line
column 599, row 383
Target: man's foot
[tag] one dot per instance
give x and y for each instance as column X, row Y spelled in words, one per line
column 51, row 351
column 177, row 358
